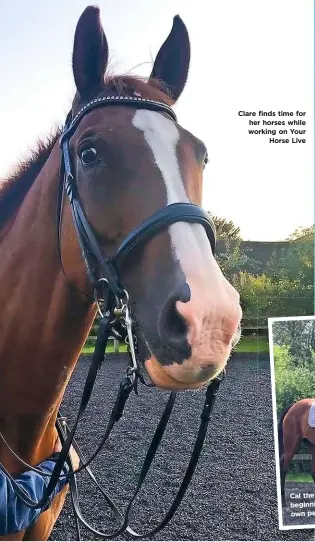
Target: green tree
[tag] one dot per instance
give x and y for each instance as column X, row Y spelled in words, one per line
column 257, row 294
column 295, row 263
column 235, row 260
column 263, row 297
column 299, row 337
column 302, row 234
column 226, row 229
column 293, row 382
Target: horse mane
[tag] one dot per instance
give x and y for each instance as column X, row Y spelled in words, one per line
column 13, row 189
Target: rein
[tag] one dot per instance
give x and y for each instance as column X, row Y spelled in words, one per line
column 109, row 293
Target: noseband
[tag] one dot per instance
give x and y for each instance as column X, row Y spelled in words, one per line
column 104, row 275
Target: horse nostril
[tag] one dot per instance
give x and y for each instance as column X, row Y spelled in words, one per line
column 172, row 326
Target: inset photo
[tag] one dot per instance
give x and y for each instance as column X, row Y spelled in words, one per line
column 292, row 359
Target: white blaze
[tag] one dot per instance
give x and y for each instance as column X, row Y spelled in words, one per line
column 189, row 241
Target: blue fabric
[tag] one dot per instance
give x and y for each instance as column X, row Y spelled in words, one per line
column 14, row 514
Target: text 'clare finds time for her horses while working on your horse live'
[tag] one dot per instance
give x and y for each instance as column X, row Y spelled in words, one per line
column 287, row 123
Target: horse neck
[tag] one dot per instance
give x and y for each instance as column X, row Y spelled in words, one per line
column 44, row 322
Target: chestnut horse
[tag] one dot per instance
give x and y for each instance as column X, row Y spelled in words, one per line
column 129, row 162
column 293, row 429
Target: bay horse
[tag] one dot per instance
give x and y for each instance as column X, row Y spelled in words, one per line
column 293, row 429
column 130, row 161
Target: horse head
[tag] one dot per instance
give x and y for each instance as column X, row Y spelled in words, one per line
column 129, row 163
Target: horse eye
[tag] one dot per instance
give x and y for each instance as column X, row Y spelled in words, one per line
column 205, row 161
column 89, row 156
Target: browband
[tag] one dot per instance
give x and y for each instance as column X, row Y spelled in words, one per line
column 141, row 103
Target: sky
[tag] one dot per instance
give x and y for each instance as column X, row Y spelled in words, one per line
column 246, row 56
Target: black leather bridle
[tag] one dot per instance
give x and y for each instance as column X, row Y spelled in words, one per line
column 104, row 275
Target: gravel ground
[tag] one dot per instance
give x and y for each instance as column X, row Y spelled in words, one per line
column 233, row 493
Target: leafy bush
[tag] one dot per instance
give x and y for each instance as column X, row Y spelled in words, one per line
column 292, row 382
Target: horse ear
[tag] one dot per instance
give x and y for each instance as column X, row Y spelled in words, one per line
column 90, row 52
column 172, row 62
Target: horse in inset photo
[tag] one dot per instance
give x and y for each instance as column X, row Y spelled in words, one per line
column 296, row 425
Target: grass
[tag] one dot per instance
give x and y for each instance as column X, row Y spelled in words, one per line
column 252, row 343
column 302, row 477
column 247, row 344
column 89, row 348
